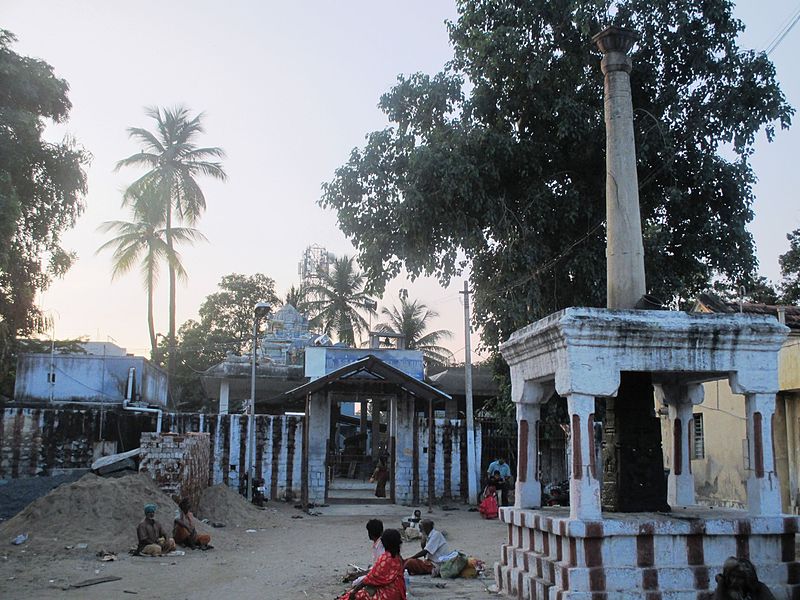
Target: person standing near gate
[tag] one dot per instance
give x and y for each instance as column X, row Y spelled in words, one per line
column 502, row 472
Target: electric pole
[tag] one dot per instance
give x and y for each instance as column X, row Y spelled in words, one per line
column 472, row 481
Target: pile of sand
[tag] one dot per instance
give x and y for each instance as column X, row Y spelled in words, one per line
column 101, row 512
column 221, row 504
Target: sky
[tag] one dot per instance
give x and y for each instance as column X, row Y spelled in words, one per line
column 288, row 90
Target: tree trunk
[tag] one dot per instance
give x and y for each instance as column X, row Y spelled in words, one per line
column 151, row 322
column 171, row 337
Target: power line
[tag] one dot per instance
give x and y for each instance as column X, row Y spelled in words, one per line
column 783, row 31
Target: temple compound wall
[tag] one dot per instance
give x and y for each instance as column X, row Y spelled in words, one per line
column 47, row 441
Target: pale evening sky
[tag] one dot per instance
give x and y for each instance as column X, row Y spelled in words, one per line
column 288, row 88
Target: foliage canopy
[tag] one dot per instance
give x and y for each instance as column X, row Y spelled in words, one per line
column 226, row 325
column 42, row 187
column 497, row 163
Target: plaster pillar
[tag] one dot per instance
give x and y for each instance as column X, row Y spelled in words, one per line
column 402, row 419
column 224, row 395
column 763, row 488
column 319, row 423
column 584, row 487
column 528, row 397
column 679, row 400
column 624, row 248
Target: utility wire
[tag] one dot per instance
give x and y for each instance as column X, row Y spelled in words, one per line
column 783, row 31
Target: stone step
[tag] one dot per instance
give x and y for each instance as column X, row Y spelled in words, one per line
column 347, row 500
column 672, row 583
column 665, row 577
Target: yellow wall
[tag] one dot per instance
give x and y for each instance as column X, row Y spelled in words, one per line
column 720, row 476
column 789, row 365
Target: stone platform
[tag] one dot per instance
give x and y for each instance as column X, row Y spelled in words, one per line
column 655, row 556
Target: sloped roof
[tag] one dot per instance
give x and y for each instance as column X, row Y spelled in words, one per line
column 378, row 370
column 451, row 381
column 711, row 303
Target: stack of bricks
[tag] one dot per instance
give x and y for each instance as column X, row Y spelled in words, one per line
column 179, row 463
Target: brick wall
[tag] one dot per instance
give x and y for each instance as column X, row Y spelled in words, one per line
column 177, row 462
column 40, row 441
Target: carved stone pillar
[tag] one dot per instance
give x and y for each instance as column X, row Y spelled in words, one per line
column 584, row 487
column 528, row 397
column 763, row 488
column 680, row 399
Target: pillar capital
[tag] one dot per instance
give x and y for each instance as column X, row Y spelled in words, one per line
column 673, row 394
column 615, row 39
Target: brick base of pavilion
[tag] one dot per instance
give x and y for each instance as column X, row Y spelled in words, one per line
column 648, row 556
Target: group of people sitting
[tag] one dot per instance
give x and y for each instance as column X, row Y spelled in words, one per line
column 153, row 539
column 386, row 580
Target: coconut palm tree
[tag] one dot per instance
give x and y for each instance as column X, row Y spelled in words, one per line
column 144, row 240
column 174, row 161
column 412, row 319
column 340, row 300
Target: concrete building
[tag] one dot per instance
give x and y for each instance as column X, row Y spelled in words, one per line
column 719, row 456
column 104, row 373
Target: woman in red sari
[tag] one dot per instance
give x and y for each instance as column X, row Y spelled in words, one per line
column 385, row 579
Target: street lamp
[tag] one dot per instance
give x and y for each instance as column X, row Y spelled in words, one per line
column 259, row 310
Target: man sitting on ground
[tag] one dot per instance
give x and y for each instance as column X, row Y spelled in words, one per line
column 185, row 529
column 432, row 554
column 153, row 540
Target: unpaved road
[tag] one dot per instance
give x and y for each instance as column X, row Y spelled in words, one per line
column 283, row 558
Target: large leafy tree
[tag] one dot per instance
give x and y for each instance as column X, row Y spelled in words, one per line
column 341, row 298
column 498, row 162
column 790, row 269
column 225, row 325
column 229, row 312
column 143, row 241
column 42, row 187
column 174, row 161
column 412, row 319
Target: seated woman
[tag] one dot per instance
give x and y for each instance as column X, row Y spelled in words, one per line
column 488, row 507
column 185, row 530
column 385, row 579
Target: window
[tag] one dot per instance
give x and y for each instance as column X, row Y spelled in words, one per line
column 698, row 437
column 51, row 377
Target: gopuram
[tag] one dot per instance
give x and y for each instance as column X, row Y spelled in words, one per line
column 627, row 534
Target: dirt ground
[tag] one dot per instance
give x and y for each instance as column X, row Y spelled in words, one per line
column 284, row 557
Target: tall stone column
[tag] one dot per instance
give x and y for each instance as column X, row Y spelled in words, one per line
column 763, row 488
column 584, row 487
column 624, row 248
column 680, row 399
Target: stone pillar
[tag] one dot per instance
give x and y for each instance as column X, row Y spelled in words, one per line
column 376, row 428
column 763, row 488
column 680, row 399
column 319, row 423
column 624, row 248
column 224, row 394
column 362, row 426
column 402, row 419
column 528, row 397
column 584, row 487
